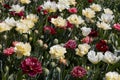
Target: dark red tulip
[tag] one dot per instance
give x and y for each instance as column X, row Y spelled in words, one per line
column 31, row 66
column 78, row 72
column 90, row 1
column 49, row 29
column 102, row 46
column 71, row 44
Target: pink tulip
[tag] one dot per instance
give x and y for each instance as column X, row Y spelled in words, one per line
column 72, row 10
column 8, row 51
column 117, row 26
column 87, row 40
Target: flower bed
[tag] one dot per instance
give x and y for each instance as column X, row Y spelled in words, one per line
column 59, row 40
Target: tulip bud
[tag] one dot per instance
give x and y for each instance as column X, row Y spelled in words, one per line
column 25, row 36
column 46, row 71
column 116, row 43
column 45, row 46
column 92, row 21
column 76, row 38
column 70, row 29
column 55, row 41
column 0, row 46
column 58, row 69
column 52, row 64
column 40, row 42
column 5, row 37
column 61, row 14
column 42, row 57
column 77, row 26
column 7, row 69
column 42, row 36
column 109, row 41
column 88, row 68
column 36, row 31
column 30, row 38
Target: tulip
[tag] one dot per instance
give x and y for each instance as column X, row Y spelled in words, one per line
column 94, row 57
column 110, row 58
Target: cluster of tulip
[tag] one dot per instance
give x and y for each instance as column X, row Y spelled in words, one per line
column 59, row 39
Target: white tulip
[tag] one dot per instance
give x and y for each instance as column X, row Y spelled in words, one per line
column 103, row 25
column 106, row 18
column 110, row 57
column 21, row 27
column 108, row 11
column 4, row 27
column 88, row 12
column 25, row 1
column 17, row 8
column 82, row 49
column 94, row 57
column 50, row 6
column 63, row 4
column 95, row 7
column 10, row 21
column 85, row 31
column 75, row 19
column 112, row 76
column 57, row 51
